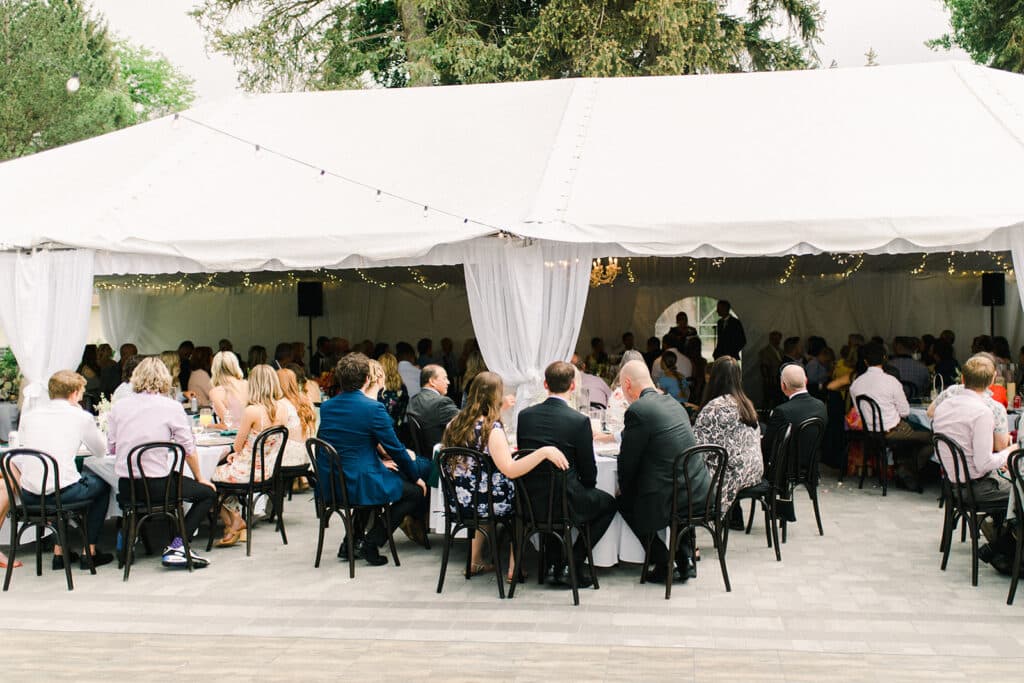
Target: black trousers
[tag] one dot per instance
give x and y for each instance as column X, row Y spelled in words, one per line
column 201, row 496
column 408, row 504
column 596, row 507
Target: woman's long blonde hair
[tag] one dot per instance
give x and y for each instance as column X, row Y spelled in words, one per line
column 173, row 363
column 264, row 389
column 290, row 388
column 483, row 401
column 225, row 364
column 392, row 380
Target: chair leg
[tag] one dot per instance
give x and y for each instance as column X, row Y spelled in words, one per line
column 391, row 536
column 647, row 557
column 495, row 560
column 721, row 557
column 62, row 538
column 346, row 522
column 39, row 550
column 974, row 548
column 774, row 522
column 542, row 564
column 179, row 517
column 250, row 512
column 129, row 543
column 769, row 516
column 784, row 531
column 517, row 557
column 279, row 511
column 212, row 518
column 1015, row 577
column 83, row 532
column 15, row 539
column 750, row 522
column 673, row 533
column 590, row 556
column 446, row 551
column 570, row 562
column 320, row 540
column 813, row 491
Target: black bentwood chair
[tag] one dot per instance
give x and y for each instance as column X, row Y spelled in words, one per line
column 806, row 441
column 458, row 517
column 144, row 504
column 422, row 450
column 247, row 492
column 766, row 491
column 49, row 513
column 327, row 466
column 961, row 502
column 707, row 514
column 1016, row 466
column 549, row 516
column 875, row 443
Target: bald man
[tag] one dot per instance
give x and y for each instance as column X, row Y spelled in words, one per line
column 798, row 406
column 656, row 430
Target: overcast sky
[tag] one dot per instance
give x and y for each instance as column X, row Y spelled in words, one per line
column 896, row 29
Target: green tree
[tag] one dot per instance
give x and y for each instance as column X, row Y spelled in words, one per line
column 328, row 44
column 42, row 46
column 990, row 31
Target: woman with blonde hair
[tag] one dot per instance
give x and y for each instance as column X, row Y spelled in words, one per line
column 230, row 392
column 393, row 393
column 267, row 408
column 173, row 363
column 478, row 426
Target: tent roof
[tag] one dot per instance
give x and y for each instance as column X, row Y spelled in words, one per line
column 884, row 159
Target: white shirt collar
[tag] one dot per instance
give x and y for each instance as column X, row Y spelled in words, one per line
column 797, row 393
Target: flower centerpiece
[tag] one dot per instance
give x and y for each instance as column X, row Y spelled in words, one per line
column 10, row 376
column 103, row 414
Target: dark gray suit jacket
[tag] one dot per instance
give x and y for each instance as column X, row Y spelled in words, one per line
column 433, row 412
column 657, row 429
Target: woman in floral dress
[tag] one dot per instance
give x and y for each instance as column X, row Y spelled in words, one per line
column 728, row 419
column 478, row 426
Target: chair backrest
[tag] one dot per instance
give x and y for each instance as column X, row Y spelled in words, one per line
column 550, row 507
column 776, row 454
column 806, row 440
column 1015, row 463
column 327, row 463
column 416, row 432
column 259, row 448
column 963, row 495
column 712, row 504
column 479, row 467
column 172, row 487
column 50, row 474
column 868, row 407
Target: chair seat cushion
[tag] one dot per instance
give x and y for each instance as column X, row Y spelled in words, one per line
column 758, row 490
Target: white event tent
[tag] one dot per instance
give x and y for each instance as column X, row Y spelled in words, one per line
column 522, row 184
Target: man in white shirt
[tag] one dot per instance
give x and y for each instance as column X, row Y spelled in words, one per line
column 58, row 428
column 670, row 344
column 409, row 371
column 887, row 391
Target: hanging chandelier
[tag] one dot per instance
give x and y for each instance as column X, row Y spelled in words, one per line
column 604, row 271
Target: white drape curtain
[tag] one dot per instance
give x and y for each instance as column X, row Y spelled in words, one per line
column 1016, row 235
column 122, row 316
column 527, row 304
column 45, row 301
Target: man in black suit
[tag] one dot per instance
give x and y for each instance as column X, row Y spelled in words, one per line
column 432, row 408
column 656, row 430
column 730, row 337
column 554, row 423
column 111, row 376
column 799, row 406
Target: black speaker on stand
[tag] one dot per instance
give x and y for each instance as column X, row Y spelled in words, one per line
column 993, row 293
column 311, row 305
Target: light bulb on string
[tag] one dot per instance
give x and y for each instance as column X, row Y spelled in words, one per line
column 176, row 122
column 74, row 83
column 426, row 211
column 378, row 197
column 259, row 152
column 320, row 178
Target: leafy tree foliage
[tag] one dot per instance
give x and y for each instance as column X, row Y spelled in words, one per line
column 327, row 44
column 991, row 31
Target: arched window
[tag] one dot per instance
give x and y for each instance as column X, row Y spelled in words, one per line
column 702, row 314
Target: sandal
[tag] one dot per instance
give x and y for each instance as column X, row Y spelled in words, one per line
column 480, row 568
column 522, row 578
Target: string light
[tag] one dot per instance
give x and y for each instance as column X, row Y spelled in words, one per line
column 788, row 273
column 184, row 283
column 921, row 266
column 693, row 271
column 629, row 271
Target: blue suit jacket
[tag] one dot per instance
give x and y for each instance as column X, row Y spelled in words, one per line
column 354, row 425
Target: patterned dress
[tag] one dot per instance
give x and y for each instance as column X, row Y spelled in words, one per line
column 395, row 402
column 719, row 424
column 465, row 480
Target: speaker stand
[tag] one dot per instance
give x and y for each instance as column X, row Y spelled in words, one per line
column 992, row 321
column 310, row 346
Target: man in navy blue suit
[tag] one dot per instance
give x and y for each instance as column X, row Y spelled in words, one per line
column 355, row 424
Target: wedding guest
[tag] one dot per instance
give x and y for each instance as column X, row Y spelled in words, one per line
column 425, row 352
column 230, row 392
column 394, row 395
column 173, row 363
column 554, row 423
column 770, row 358
column 125, row 387
column 300, row 419
column 693, row 352
column 652, row 353
column 597, row 389
column 266, row 408
column 450, row 363
column 379, row 350
column 112, row 376
column 628, row 342
column 671, row 381
column 283, row 354
column 670, row 346
column 319, row 363
column 597, row 356
column 910, row 370
column 407, row 368
column 199, row 380
column 432, row 408
column 356, row 425
column 185, row 349
column 90, row 369
column 617, row 403
column 1001, row 426
column 145, row 416
column 657, row 429
column 365, row 347
column 225, row 345
column 59, row 428
column 946, row 366
column 683, row 330
column 298, row 354
column 257, row 356
column 729, row 419
column 1001, row 350
column 474, row 366
column 308, row 387
column 478, row 426
column 104, row 356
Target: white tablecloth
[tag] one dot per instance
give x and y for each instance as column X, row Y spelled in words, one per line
column 103, row 467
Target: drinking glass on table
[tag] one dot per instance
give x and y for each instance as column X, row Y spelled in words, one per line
column 205, row 418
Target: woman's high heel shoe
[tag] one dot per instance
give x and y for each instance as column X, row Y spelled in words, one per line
column 230, row 538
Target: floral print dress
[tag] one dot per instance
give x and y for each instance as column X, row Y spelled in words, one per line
column 465, row 480
column 719, row 424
